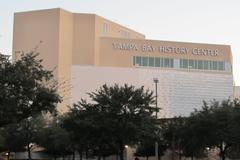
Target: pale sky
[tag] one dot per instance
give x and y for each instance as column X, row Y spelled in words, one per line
column 201, row 21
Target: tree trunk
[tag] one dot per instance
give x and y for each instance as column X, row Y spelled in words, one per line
column 100, row 153
column 173, row 149
column 222, row 155
column 179, row 155
column 222, row 152
column 121, row 153
column 80, row 155
column 147, row 157
column 8, row 155
column 29, row 152
column 86, row 153
column 73, row 155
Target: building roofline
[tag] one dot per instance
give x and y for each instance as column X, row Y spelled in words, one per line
column 93, row 14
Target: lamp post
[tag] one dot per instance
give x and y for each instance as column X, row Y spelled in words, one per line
column 155, row 80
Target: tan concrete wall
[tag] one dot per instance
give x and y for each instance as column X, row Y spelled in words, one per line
column 32, row 27
column 114, row 30
column 109, row 56
column 65, row 57
column 236, row 92
column 83, row 39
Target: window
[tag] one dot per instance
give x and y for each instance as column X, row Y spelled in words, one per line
column 211, row 65
column 221, row 66
column 215, row 65
column 138, row 61
column 151, row 61
column 105, row 28
column 171, row 63
column 195, row 64
column 183, row 63
column 161, row 62
column 144, row 61
column 166, row 62
column 200, row 64
column 206, row 65
column 125, row 34
column 157, row 62
column 191, row 64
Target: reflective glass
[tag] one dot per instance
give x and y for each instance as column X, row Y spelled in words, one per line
column 151, row 61
column 144, row 61
column 138, row 61
column 157, row 62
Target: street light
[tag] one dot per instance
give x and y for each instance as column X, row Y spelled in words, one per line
column 155, row 80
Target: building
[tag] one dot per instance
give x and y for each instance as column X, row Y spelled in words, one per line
column 88, row 51
column 236, row 92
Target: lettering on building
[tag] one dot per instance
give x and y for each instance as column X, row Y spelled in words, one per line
column 165, row 49
column 125, row 46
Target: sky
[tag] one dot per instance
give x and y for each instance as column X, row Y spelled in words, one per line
column 200, row 21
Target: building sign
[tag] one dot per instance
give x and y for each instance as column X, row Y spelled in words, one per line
column 165, row 49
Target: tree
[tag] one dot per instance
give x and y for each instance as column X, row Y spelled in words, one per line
column 29, row 129
column 172, row 132
column 146, row 148
column 122, row 115
column 88, row 132
column 54, row 139
column 215, row 126
column 22, row 136
column 26, row 89
column 11, row 139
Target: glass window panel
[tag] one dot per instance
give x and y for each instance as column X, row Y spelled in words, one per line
column 161, row 60
column 104, row 28
column 166, row 62
column 144, row 61
column 151, row 61
column 134, row 58
column 171, row 63
column 157, row 62
column 211, row 65
column 200, row 64
column 195, row 64
column 206, row 66
column 138, row 61
column 185, row 63
column 215, row 64
column 221, row 66
column 191, row 64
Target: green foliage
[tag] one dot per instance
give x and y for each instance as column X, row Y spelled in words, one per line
column 117, row 116
column 146, row 148
column 21, row 136
column 26, row 88
column 215, row 126
column 54, row 139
